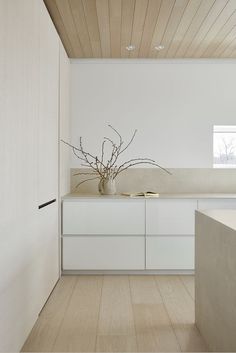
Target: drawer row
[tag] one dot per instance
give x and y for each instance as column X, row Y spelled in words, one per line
column 135, row 217
column 128, row 252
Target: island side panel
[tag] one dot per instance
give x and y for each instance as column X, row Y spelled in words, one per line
column 215, row 276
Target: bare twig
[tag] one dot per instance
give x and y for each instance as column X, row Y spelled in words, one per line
column 85, row 173
column 111, row 168
column 121, row 141
column 126, row 165
column 131, row 140
column 84, row 181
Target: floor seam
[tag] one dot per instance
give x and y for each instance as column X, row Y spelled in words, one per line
column 136, row 337
column 53, row 345
column 99, row 310
column 180, row 277
column 171, row 323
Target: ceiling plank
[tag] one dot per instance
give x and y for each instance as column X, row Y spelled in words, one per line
column 216, row 27
column 55, row 14
column 127, row 24
column 90, row 11
column 225, row 44
column 104, row 27
column 220, row 37
column 186, row 21
column 138, row 25
column 174, row 21
column 202, row 12
column 66, row 15
column 149, row 26
column 162, row 21
column 81, row 26
column 115, row 27
column 230, row 49
column 233, row 54
column 215, row 11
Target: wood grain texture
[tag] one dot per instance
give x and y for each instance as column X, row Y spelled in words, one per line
column 118, row 314
column 186, row 28
column 189, row 284
column 104, row 26
column 179, row 305
column 90, row 11
column 115, row 27
column 79, row 326
column 65, row 12
column 127, row 24
column 152, row 324
column 44, row 333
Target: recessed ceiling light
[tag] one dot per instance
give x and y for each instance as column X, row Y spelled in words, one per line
column 159, row 47
column 130, row 47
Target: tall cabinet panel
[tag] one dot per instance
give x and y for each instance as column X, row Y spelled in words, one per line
column 65, row 152
column 48, row 110
column 19, row 242
column 48, row 130
column 29, row 57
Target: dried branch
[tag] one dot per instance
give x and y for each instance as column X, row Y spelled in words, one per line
column 121, row 141
column 143, row 162
column 102, row 156
column 132, row 139
column 112, row 168
column 85, row 173
column 84, row 181
column 85, row 154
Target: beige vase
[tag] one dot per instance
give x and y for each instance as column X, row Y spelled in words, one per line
column 107, row 186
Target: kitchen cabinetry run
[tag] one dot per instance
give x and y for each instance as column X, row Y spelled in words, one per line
column 118, row 233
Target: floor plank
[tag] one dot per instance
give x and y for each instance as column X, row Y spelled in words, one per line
column 180, row 307
column 152, row 324
column 116, row 316
column 45, row 331
column 153, row 329
column 79, row 327
column 189, row 284
column 119, row 343
column 144, row 290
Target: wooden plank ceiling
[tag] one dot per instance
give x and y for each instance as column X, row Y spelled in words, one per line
column 182, row 28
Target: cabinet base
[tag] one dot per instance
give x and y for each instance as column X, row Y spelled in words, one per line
column 128, row 272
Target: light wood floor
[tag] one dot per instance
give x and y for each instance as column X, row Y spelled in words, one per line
column 118, row 314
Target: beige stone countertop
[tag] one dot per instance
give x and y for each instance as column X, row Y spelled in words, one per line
column 226, row 217
column 74, row 196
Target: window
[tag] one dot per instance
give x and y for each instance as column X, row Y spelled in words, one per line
column 224, row 141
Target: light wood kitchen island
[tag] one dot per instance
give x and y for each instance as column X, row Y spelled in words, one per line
column 215, row 276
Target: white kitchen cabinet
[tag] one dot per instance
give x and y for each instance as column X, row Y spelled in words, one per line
column 104, row 217
column 170, row 216
column 114, row 233
column 104, row 252
column 170, row 252
column 211, row 204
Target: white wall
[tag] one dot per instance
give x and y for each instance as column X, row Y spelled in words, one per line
column 173, row 104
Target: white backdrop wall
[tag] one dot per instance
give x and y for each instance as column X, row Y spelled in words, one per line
column 173, row 104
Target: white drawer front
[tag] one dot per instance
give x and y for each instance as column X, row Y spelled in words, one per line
column 104, row 253
column 206, row 204
column 104, row 217
column 170, row 217
column 170, row 252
